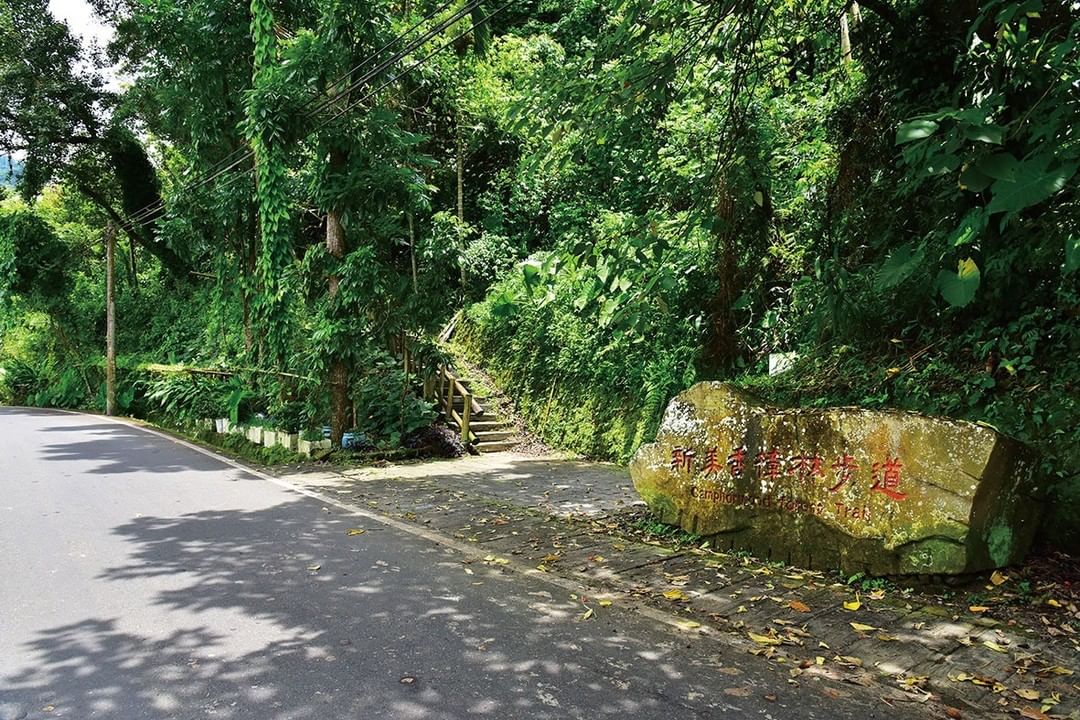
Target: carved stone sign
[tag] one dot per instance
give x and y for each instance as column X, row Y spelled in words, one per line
column 885, row 492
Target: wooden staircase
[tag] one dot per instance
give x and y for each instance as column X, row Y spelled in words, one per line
column 463, row 411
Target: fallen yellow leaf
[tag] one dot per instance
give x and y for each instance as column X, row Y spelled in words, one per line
column 978, row 608
column 689, row 624
column 994, row 646
column 1053, row 603
column 819, row 660
column 675, row 594
column 1028, row 694
column 1058, row 670
column 848, row 660
column 853, row 605
column 355, row 531
column 863, row 628
column 588, row 614
column 914, row 681
column 605, row 603
column 764, row 639
column 998, row 577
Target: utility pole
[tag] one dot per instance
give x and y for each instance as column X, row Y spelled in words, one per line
column 110, row 320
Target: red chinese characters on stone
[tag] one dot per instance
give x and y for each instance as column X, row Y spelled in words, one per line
column 806, row 467
column 887, row 478
column 737, row 462
column 769, row 464
column 712, row 462
column 844, row 469
column 682, row 458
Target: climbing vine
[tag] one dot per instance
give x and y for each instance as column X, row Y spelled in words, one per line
column 266, row 128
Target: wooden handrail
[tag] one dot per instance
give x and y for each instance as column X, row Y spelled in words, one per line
column 469, row 407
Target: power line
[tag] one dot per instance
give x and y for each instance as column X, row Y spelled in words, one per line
column 145, row 213
column 416, row 64
column 231, row 160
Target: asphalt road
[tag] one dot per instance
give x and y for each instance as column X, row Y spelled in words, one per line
column 140, row 578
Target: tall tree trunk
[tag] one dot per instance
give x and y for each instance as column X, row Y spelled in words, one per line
column 339, row 371
column 110, row 320
column 723, row 346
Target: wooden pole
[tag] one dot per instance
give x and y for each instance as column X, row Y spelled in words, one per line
column 845, row 39
column 110, row 320
column 466, row 411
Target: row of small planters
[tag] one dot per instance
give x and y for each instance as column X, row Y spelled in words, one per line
column 290, row 441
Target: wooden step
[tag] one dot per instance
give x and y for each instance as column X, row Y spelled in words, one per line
column 491, row 436
column 489, row 425
column 497, row 446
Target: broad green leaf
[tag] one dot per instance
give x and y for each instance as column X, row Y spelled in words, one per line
column 899, row 265
column 530, row 270
column 959, row 288
column 504, row 305
column 974, row 180
column 1033, row 182
column 999, row 166
column 915, row 130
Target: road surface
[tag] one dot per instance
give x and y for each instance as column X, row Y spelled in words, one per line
column 140, row 578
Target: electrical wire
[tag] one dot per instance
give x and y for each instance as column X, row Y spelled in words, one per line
column 143, row 215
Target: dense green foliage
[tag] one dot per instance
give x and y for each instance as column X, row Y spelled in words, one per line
column 625, row 196
column 905, row 221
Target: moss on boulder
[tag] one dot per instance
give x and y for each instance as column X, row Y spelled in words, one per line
column 884, row 492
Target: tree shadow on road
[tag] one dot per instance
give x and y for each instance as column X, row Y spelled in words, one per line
column 282, row 613
column 115, row 448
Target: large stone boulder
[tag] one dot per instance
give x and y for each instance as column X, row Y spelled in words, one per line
column 884, row 492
